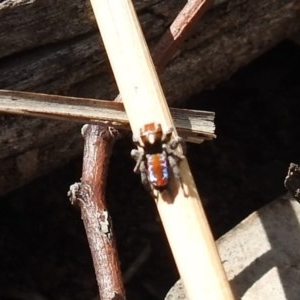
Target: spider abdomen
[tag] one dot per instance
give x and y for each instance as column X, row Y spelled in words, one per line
column 157, row 170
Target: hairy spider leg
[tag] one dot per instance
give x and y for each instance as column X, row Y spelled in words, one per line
column 138, row 155
column 175, row 169
column 167, row 135
column 172, row 151
column 144, row 177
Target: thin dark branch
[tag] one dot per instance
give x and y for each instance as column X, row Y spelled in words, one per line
column 179, row 30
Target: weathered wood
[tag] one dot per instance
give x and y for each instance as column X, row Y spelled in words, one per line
column 32, row 147
column 193, row 125
column 59, row 51
column 261, row 254
column 56, row 50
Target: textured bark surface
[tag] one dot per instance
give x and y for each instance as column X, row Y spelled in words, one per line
column 56, row 50
column 89, row 195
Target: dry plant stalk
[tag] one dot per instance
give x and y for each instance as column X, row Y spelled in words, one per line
column 95, row 164
column 180, row 208
column 193, row 125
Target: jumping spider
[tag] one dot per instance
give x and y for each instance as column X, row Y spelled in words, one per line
column 157, row 155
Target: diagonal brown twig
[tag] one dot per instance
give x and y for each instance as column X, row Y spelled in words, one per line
column 179, row 30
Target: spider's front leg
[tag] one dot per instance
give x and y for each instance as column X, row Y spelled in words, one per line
column 167, row 135
column 175, row 142
column 171, row 148
column 138, row 156
column 140, row 167
column 170, row 144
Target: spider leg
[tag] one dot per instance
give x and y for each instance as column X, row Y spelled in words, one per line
column 144, row 177
column 175, row 169
column 178, row 141
column 138, row 155
column 175, row 142
column 173, row 152
column 140, row 167
column 167, row 135
column 136, row 139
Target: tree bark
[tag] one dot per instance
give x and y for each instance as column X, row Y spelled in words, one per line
column 54, row 47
